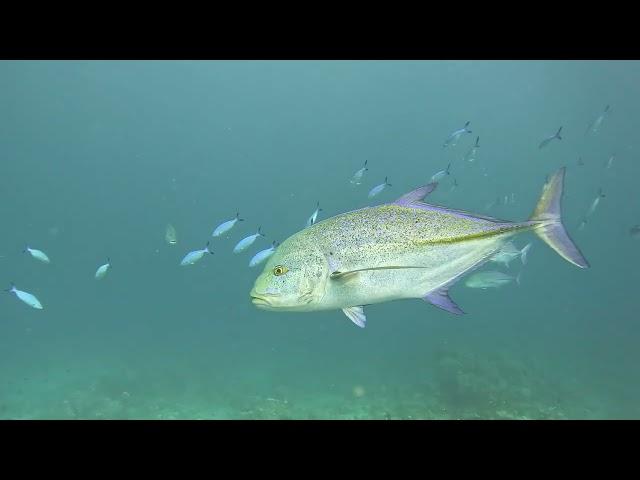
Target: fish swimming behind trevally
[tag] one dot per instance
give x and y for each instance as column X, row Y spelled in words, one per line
column 509, row 252
column 491, row 279
column 405, row 249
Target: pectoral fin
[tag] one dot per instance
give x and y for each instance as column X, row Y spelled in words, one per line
column 441, row 299
column 356, row 315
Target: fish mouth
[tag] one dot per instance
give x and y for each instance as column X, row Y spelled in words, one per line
column 261, row 299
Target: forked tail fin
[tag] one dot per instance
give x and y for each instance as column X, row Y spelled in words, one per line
column 548, row 214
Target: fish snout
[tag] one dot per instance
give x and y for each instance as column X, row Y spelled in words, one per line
column 261, row 299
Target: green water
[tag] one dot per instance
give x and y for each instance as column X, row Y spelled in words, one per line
column 97, row 158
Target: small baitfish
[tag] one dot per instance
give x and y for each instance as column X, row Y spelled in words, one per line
column 103, row 269
column 226, row 226
column 247, row 241
column 262, row 255
column 491, row 279
column 594, row 126
column 357, row 177
column 170, row 235
column 595, row 203
column 471, row 154
column 455, row 136
column 37, row 254
column 314, row 216
column 26, row 297
column 378, row 188
column 440, row 175
column 192, row 257
column 546, row 141
column 399, row 250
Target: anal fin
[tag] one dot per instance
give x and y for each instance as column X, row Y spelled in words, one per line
column 441, row 299
column 356, row 315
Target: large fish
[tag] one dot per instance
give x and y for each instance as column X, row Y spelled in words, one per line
column 405, row 249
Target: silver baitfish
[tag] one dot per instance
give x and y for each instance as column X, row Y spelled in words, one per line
column 546, row 141
column 357, row 177
column 37, row 254
column 247, row 241
column 314, row 216
column 378, row 188
column 491, row 279
column 455, row 136
column 262, row 255
column 192, row 257
column 26, row 297
column 226, row 226
column 103, row 269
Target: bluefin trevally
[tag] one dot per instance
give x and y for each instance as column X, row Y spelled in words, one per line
column 247, row 241
column 453, row 138
column 262, row 255
column 103, row 269
column 192, row 257
column 404, row 249
column 378, row 188
column 26, row 297
column 546, row 141
column 491, row 279
column 37, row 254
column 314, row 216
column 357, row 177
column 226, row 226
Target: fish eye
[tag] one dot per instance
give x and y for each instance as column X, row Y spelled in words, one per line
column 280, row 270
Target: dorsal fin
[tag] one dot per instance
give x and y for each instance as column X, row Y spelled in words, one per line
column 417, row 194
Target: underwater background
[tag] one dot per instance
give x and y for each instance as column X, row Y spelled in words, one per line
column 98, row 157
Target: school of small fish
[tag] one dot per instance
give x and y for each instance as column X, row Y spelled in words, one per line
column 346, row 261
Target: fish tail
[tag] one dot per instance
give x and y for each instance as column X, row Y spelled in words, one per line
column 548, row 218
column 10, row 288
column 518, row 277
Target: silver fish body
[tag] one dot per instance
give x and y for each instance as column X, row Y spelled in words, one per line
column 406, row 249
